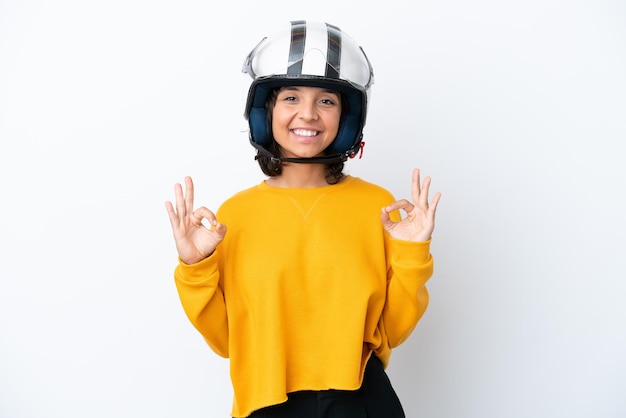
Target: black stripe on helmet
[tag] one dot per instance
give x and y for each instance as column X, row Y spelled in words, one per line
column 296, row 48
column 333, row 55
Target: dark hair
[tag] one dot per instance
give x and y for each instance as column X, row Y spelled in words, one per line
column 272, row 167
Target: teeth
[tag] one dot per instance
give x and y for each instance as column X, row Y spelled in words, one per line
column 304, row 132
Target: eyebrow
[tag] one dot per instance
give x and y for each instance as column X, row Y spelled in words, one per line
column 294, row 88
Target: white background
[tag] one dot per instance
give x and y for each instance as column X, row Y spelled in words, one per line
column 517, row 109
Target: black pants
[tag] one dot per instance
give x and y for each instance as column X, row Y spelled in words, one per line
column 375, row 399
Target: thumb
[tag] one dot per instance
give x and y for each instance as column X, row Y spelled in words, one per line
column 385, row 219
column 220, row 229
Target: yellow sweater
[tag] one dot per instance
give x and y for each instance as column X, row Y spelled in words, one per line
column 304, row 287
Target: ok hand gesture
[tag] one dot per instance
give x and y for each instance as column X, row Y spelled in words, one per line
column 419, row 223
column 194, row 241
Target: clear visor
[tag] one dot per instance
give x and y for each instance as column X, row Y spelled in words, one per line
column 274, row 56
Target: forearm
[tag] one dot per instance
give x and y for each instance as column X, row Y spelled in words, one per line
column 411, row 265
column 203, row 302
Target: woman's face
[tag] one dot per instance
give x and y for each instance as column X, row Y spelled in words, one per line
column 305, row 120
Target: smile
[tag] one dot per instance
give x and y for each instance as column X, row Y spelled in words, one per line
column 305, row 132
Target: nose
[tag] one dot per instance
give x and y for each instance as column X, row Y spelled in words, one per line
column 308, row 110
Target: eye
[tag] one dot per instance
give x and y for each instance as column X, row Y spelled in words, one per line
column 328, row 101
column 286, row 98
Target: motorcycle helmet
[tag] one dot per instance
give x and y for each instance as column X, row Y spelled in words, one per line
column 312, row 54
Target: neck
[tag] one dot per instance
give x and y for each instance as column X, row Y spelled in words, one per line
column 302, row 176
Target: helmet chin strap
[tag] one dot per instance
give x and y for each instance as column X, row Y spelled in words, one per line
column 324, row 159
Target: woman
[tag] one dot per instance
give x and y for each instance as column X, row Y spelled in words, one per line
column 307, row 280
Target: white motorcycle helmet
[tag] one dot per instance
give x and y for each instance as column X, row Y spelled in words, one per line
column 310, row 54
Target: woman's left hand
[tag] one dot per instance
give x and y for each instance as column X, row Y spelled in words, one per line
column 419, row 223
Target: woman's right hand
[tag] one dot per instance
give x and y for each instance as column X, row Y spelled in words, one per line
column 194, row 241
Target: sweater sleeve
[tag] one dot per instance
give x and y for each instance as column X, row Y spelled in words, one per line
column 202, row 298
column 410, row 267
